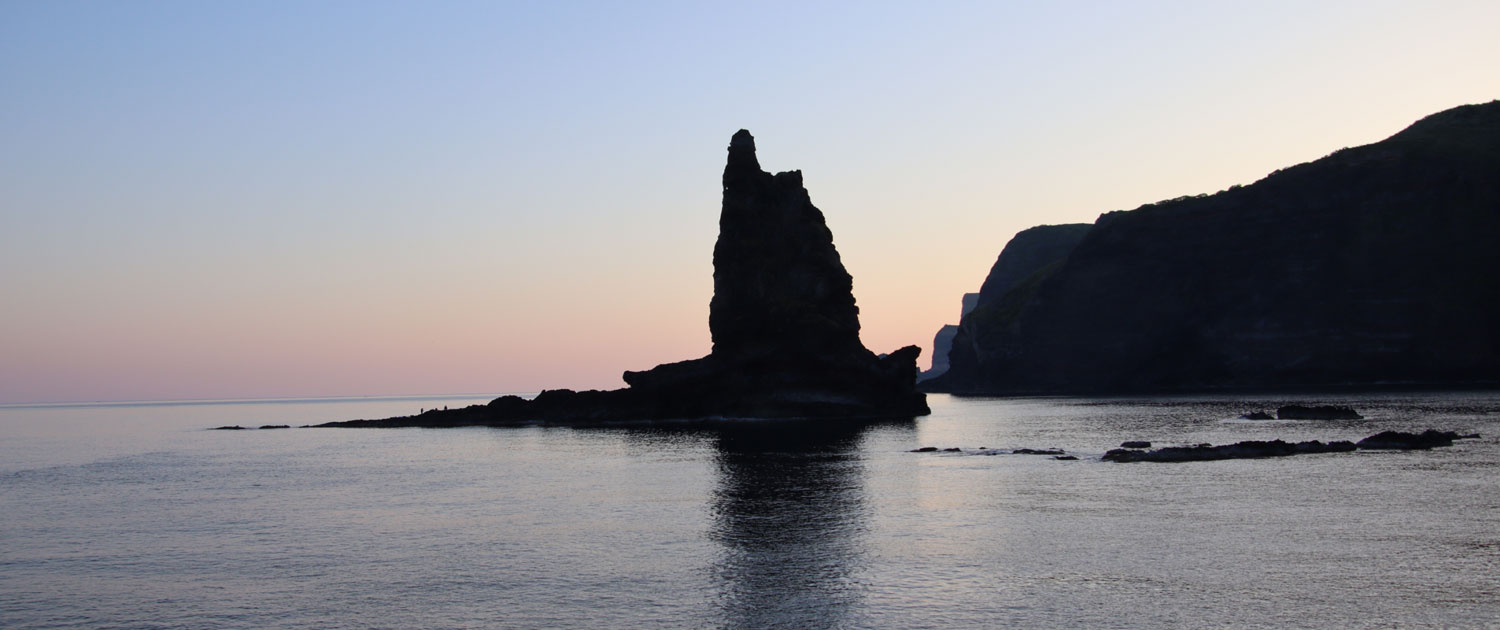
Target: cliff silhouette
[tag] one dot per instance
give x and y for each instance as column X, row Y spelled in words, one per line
column 942, row 342
column 1373, row 265
column 784, row 323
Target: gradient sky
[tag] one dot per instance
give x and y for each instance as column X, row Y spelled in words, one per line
column 264, row 199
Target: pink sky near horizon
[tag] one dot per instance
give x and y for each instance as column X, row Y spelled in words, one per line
column 281, row 200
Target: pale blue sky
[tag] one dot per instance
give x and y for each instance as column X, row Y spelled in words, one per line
column 340, row 198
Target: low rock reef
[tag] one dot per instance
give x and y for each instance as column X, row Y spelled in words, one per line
column 1306, row 412
column 236, row 427
column 1136, row 450
column 784, row 324
column 1056, row 453
column 1251, row 449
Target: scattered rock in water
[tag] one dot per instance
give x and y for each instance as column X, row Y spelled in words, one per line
column 1257, row 415
column 1324, row 412
column 1135, row 444
column 1240, row 450
column 1066, row 458
column 984, row 450
column 1400, row 440
column 1385, row 440
column 236, row 427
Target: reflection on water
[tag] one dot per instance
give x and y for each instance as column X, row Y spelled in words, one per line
column 133, row 517
column 789, row 515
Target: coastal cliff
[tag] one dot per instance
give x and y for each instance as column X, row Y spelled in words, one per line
column 784, row 323
column 1374, row 265
column 942, row 342
column 1029, row 254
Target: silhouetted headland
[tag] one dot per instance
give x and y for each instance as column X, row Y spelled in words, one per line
column 1376, row 265
column 784, row 324
column 1028, row 253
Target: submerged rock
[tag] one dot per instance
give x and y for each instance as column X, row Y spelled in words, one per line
column 784, row 324
column 1135, row 444
column 1257, row 415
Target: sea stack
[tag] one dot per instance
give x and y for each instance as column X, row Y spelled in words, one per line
column 779, row 286
column 784, row 324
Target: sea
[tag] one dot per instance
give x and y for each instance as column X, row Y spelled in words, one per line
column 139, row 515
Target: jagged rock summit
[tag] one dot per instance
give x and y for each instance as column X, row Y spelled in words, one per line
column 784, row 324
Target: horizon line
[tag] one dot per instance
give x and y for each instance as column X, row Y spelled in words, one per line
column 250, row 401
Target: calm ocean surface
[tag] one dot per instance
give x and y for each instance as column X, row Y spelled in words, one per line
column 134, row 516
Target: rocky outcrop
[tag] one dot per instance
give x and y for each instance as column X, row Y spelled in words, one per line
column 1373, row 265
column 784, row 324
